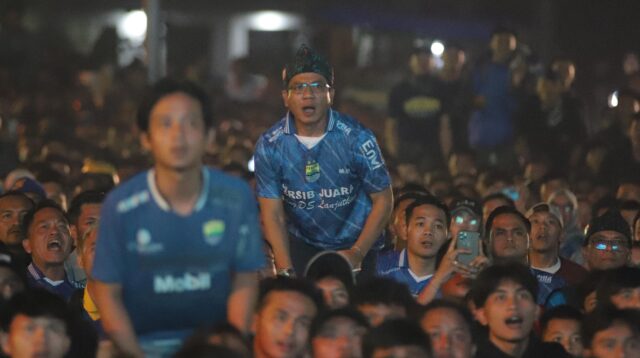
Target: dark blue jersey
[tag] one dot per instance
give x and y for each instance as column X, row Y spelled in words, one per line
column 325, row 189
column 176, row 271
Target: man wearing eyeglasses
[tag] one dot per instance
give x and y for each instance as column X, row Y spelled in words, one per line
column 608, row 242
column 321, row 180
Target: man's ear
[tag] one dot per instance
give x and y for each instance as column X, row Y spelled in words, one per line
column 285, row 98
column 254, row 323
column 4, row 340
column 144, row 141
column 73, row 231
column 481, row 316
column 26, row 244
column 330, row 95
column 538, row 312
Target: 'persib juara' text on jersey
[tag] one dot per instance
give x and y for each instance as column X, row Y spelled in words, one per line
column 176, row 271
column 325, row 188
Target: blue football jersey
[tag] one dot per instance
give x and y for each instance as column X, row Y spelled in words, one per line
column 176, row 271
column 325, row 189
column 395, row 265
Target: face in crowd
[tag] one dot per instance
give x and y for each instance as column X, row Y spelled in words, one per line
column 282, row 324
column 12, row 210
column 607, row 250
column 426, row 231
column 509, row 312
column 176, row 135
column 449, row 333
column 48, row 238
column 509, row 239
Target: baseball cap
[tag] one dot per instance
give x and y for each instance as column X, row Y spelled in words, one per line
column 466, row 204
column 330, row 264
column 544, row 207
column 27, row 185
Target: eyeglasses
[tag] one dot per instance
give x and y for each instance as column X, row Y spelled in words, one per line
column 601, row 245
column 460, row 220
column 314, row 87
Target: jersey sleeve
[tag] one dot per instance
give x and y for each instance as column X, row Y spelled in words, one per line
column 370, row 164
column 249, row 253
column 267, row 178
column 109, row 264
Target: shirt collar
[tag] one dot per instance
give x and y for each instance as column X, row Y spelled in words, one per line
column 38, row 275
column 403, row 260
column 90, row 306
column 164, row 205
column 290, row 125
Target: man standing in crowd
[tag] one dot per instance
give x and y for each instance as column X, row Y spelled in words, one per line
column 491, row 128
column 48, row 241
column 321, row 180
column 415, row 114
column 552, row 271
column 178, row 245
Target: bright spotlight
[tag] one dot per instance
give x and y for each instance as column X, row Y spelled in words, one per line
column 437, row 48
column 133, row 25
column 613, row 100
column 270, row 21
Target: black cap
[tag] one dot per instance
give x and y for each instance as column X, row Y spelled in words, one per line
column 307, row 60
column 467, row 204
column 330, row 264
column 612, row 220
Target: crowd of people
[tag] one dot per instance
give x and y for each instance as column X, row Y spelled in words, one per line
column 481, row 218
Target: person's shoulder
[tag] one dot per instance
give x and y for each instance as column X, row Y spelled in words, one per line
column 131, row 194
column 219, row 179
column 388, row 261
column 274, row 133
column 350, row 127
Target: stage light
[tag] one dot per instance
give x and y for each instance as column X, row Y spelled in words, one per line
column 437, row 48
column 133, row 26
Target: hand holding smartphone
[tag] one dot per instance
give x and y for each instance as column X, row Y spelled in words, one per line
column 469, row 240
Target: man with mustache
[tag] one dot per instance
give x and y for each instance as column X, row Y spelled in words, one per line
column 13, row 206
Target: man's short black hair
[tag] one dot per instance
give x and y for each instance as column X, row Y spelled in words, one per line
column 284, row 284
column 503, row 210
column 394, row 333
column 35, row 303
column 345, row 312
column 490, row 279
column 383, row 291
column 412, row 195
column 616, row 280
column 167, row 86
column 427, row 200
column 450, row 305
column 85, row 197
column 603, row 318
column 28, row 217
column 500, row 196
column 560, row 312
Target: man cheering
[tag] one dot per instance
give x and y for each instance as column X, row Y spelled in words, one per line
column 321, row 180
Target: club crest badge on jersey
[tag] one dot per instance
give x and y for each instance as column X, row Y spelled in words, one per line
column 213, row 231
column 312, row 171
